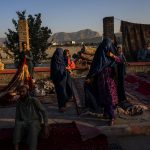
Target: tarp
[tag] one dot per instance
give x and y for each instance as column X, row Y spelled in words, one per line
column 134, row 37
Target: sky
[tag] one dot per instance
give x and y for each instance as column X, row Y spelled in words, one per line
column 75, row 15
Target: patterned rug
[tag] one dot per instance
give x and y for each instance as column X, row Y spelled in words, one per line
column 137, row 87
column 62, row 136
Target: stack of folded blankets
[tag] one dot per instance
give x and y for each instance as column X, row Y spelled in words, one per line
column 85, row 57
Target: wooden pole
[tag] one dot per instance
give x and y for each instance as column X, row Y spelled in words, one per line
column 108, row 27
column 23, row 32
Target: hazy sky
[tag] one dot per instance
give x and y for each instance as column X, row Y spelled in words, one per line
column 75, row 15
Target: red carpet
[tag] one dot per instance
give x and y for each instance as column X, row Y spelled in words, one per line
column 131, row 78
column 65, row 136
column 143, row 85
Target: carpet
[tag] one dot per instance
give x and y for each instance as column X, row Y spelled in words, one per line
column 63, row 136
column 143, row 84
column 138, row 88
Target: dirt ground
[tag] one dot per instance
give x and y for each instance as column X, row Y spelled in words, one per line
column 119, row 137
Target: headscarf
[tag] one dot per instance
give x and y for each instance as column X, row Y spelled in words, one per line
column 101, row 60
column 65, row 56
column 57, row 64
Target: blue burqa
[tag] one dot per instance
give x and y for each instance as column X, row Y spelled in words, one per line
column 101, row 60
column 61, row 78
column 99, row 63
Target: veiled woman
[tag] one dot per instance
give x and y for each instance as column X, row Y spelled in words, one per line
column 100, row 87
column 61, row 79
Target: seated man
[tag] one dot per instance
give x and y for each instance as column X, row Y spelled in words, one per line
column 143, row 54
column 29, row 116
column 77, row 55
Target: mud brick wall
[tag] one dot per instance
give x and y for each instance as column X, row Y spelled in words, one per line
column 108, row 27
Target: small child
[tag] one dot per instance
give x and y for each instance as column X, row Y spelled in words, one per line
column 121, row 54
column 69, row 63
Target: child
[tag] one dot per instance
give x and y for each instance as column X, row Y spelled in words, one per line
column 69, row 63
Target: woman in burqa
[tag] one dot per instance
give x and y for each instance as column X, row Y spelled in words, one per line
column 61, row 79
column 100, row 87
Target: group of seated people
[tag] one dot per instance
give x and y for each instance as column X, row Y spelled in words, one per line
column 143, row 54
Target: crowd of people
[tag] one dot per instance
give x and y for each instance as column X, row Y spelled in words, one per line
column 103, row 86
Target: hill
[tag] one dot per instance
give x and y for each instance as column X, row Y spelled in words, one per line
column 79, row 36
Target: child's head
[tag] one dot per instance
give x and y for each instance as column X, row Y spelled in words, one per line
column 66, row 53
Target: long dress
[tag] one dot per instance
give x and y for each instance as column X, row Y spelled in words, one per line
column 22, row 76
column 29, row 60
column 101, row 92
column 61, row 78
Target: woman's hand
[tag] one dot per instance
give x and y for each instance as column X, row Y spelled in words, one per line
column 116, row 58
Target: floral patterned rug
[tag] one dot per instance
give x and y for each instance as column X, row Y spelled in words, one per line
column 137, row 87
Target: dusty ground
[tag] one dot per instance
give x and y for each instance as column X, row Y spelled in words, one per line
column 120, row 136
column 7, row 115
column 128, row 133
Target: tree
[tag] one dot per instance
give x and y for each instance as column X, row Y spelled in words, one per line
column 38, row 35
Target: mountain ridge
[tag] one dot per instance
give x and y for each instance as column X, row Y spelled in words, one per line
column 78, row 36
column 86, row 36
